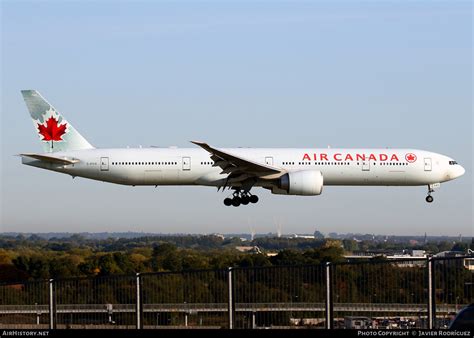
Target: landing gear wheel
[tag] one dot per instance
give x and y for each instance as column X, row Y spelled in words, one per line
column 240, row 197
column 253, row 198
column 236, row 201
column 429, row 198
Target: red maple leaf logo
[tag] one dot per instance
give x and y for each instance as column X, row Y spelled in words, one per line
column 52, row 131
column 410, row 157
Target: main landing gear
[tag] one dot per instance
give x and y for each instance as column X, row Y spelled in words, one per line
column 239, row 198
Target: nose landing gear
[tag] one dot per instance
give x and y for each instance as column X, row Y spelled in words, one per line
column 431, row 188
column 239, row 198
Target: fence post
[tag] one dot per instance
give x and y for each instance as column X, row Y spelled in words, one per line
column 52, row 307
column 139, row 309
column 431, row 295
column 231, row 298
column 329, row 304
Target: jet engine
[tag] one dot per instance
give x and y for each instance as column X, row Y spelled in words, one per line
column 304, row 183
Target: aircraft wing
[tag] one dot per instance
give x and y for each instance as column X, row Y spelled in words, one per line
column 52, row 159
column 239, row 168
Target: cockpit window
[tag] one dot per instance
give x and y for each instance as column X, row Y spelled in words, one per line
column 452, row 162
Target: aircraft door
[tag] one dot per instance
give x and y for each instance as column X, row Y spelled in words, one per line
column 427, row 164
column 365, row 165
column 269, row 160
column 104, row 164
column 186, row 163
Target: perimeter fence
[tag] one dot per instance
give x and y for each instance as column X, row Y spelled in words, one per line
column 398, row 294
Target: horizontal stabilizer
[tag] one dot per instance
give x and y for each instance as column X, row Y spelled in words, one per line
column 51, row 159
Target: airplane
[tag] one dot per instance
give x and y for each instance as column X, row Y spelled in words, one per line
column 284, row 171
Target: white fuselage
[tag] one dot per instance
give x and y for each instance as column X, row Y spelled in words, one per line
column 193, row 166
column 301, row 172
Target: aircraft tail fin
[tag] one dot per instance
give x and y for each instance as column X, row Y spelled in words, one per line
column 55, row 133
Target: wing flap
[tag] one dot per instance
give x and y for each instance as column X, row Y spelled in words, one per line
column 224, row 159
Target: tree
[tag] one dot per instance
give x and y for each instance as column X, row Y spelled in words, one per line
column 460, row 247
column 326, row 254
column 172, row 262
column 5, row 257
column 108, row 266
column 350, row 245
column 160, row 252
column 124, row 263
column 288, row 257
column 63, row 267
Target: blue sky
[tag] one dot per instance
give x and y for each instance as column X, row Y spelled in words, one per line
column 263, row 74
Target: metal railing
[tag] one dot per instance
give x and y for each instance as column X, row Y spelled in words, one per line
column 403, row 293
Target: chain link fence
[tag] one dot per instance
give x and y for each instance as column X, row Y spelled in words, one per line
column 25, row 305
column 195, row 299
column 104, row 302
column 380, row 295
column 279, row 296
column 453, row 288
column 376, row 294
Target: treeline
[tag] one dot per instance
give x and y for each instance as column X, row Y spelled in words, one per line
column 37, row 258
column 34, row 257
column 215, row 242
column 75, row 241
column 198, row 242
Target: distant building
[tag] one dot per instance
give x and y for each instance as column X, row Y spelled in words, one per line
column 249, row 249
column 389, row 254
column 417, row 253
column 303, row 236
column 414, row 258
column 271, row 254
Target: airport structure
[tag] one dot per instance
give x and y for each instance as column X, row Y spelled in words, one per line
column 400, row 293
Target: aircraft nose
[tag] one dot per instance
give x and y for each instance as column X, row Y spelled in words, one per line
column 457, row 171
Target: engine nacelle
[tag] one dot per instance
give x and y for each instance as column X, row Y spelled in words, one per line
column 304, row 183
